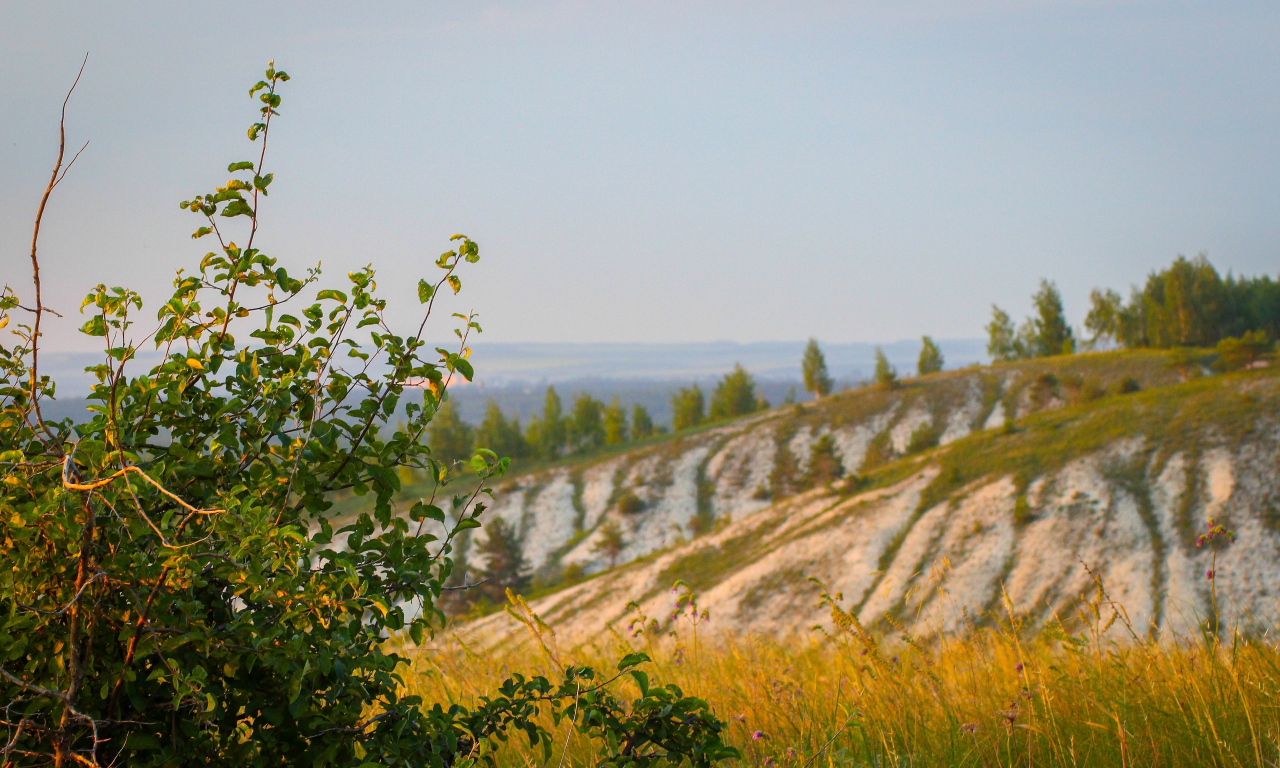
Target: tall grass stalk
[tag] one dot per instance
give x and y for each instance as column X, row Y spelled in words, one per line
column 992, row 696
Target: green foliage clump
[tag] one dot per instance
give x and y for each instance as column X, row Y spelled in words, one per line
column 1187, row 304
column 629, row 503
column 641, row 423
column 923, row 437
column 1053, row 335
column 931, row 359
column 504, row 565
column 1234, row 354
column 586, row 426
column 451, row 439
column 176, row 589
column 501, row 436
column 824, row 463
column 687, row 408
column 734, row 396
column 1044, row 335
column 814, row 366
column 1003, row 342
column 885, row 375
column 610, row 542
column 548, row 435
column 615, row 424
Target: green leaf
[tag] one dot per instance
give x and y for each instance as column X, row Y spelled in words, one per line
column 243, row 165
column 464, row 367
column 329, row 293
column 632, row 660
column 425, row 290
column 95, row 327
column 466, row 524
column 455, row 283
column 430, row 511
column 237, row 208
column 642, row 680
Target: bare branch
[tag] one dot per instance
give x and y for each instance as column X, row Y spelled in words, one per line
column 467, row 586
column 31, row 687
column 68, row 606
column 54, row 178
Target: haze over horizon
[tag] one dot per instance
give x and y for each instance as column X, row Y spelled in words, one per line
column 661, row 172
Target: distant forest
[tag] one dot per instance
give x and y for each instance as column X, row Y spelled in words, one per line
column 1187, row 305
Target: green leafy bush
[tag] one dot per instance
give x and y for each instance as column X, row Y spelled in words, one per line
column 173, row 587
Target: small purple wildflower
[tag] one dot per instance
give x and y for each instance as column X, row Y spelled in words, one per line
column 1209, row 575
column 758, row 735
column 1018, row 668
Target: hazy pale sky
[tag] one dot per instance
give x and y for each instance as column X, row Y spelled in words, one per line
column 662, row 171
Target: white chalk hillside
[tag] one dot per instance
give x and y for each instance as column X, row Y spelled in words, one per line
column 1085, row 477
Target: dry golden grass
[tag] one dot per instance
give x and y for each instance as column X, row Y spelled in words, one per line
column 996, row 695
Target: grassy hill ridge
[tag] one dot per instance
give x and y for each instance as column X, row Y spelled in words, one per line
column 1020, row 478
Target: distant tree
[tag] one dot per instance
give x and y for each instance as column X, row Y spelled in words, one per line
column 533, row 438
column 450, row 438
column 790, row 397
column 734, row 396
column 641, row 423
column 930, row 357
column 504, row 560
column 824, row 463
column 611, row 542
column 501, row 436
column 553, row 431
column 814, row 365
column 1053, row 334
column 1002, row 337
column 885, row 374
column 687, row 408
column 586, row 426
column 615, row 424
column 1103, row 320
column 1234, row 354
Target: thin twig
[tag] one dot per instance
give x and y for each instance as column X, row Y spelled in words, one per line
column 54, row 179
column 93, row 485
column 467, row 586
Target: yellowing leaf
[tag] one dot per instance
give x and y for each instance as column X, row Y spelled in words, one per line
column 194, row 363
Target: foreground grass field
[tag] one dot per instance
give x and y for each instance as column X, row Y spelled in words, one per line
column 997, row 695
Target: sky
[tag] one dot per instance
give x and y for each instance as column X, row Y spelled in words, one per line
column 659, row 171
